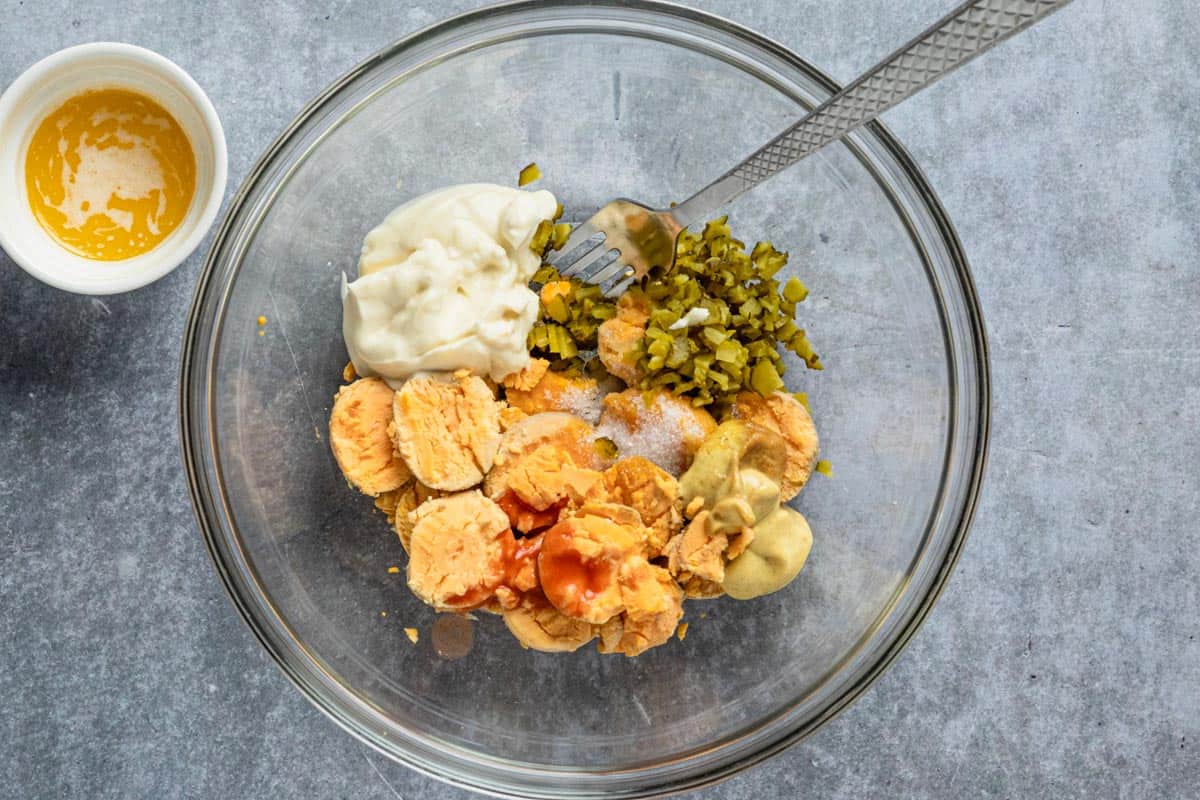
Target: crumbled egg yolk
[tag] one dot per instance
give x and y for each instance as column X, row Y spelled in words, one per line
column 110, row 174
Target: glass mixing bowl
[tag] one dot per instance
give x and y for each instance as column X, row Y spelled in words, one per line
column 613, row 98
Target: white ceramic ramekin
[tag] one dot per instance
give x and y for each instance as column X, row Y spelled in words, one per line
column 48, row 84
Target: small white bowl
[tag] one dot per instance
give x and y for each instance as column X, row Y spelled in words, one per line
column 51, row 82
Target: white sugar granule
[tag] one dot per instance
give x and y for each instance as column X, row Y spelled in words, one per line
column 582, row 402
column 660, row 436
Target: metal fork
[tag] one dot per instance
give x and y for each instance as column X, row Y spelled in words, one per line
column 625, row 238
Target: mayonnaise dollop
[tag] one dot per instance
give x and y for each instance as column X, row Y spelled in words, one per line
column 694, row 316
column 444, row 284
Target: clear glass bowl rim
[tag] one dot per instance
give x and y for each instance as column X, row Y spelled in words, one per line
column 473, row 770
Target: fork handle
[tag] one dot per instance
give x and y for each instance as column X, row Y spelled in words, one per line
column 949, row 43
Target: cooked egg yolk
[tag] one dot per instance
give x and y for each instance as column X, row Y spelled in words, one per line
column 110, row 174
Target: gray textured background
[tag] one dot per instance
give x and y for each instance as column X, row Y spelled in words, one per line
column 1063, row 658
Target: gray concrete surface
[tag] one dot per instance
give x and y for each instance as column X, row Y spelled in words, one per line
column 1063, row 660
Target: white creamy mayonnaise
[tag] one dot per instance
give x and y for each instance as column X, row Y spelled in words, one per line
column 444, row 284
column 694, row 316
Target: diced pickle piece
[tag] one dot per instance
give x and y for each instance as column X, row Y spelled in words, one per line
column 765, row 379
column 529, row 174
column 541, row 238
column 562, row 231
column 749, row 317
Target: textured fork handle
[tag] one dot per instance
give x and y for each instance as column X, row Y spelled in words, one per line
column 949, row 43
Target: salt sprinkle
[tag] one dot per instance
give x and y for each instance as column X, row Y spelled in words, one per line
column 660, row 435
column 583, row 403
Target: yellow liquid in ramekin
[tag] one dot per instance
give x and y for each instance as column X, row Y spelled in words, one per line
column 110, row 174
